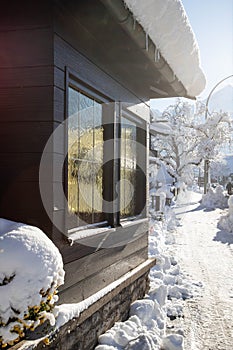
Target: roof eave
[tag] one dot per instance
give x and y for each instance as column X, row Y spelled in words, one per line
column 126, row 20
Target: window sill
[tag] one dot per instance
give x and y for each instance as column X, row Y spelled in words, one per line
column 88, row 232
column 108, row 237
column 127, row 223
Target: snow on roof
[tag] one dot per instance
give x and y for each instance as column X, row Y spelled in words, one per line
column 166, row 23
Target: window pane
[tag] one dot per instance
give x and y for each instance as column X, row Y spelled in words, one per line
column 98, row 133
column 128, row 168
column 85, row 159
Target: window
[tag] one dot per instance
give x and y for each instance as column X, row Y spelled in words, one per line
column 128, row 169
column 132, row 167
column 97, row 160
column 85, row 158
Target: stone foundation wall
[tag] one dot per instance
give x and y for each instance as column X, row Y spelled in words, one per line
column 82, row 332
column 85, row 335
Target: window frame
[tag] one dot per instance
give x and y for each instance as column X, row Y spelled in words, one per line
column 141, row 138
column 111, row 119
column 72, row 81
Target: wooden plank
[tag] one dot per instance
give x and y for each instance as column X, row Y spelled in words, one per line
column 23, row 167
column 59, row 78
column 25, row 14
column 66, row 56
column 22, row 196
column 102, row 278
column 37, row 100
column 26, row 48
column 82, row 268
column 59, row 104
column 85, row 32
column 134, row 275
column 23, row 137
column 21, row 201
column 24, row 77
column 120, row 237
column 86, row 246
column 13, row 115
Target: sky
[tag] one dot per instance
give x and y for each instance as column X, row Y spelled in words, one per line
column 212, row 24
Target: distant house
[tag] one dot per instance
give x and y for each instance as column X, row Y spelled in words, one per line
column 82, row 71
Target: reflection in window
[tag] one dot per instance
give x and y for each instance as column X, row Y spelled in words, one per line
column 85, row 159
column 128, row 168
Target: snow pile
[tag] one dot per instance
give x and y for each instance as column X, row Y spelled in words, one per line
column 226, row 221
column 31, row 269
column 214, row 198
column 167, row 25
column 146, row 327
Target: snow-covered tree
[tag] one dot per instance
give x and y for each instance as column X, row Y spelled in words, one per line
column 214, row 132
column 192, row 138
column 219, row 167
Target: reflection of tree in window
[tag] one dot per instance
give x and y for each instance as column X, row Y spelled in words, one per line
column 85, row 158
column 128, row 168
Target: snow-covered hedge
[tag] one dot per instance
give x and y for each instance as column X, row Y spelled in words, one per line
column 214, row 198
column 31, row 269
column 226, row 221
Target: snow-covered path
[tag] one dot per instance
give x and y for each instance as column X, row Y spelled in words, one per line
column 206, row 254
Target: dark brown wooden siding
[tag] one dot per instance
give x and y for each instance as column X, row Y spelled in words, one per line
column 26, row 107
column 34, row 59
column 88, row 270
column 89, row 274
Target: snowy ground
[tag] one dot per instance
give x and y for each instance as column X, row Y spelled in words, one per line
column 150, row 325
column 206, row 253
column 190, row 304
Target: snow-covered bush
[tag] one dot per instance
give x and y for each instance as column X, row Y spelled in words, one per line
column 31, row 269
column 226, row 221
column 214, row 198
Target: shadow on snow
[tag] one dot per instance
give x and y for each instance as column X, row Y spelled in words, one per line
column 200, row 207
column 224, row 237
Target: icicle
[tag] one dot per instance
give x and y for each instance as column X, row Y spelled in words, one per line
column 157, row 55
column 147, row 42
column 134, row 23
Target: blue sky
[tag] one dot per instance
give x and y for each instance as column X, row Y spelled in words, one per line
column 212, row 23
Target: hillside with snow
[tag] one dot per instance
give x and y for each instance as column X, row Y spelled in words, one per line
column 222, row 100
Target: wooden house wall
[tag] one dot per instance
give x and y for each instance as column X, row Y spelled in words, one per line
column 26, row 107
column 88, row 270
column 35, row 54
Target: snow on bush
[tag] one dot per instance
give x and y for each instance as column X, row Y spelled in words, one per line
column 146, row 327
column 214, row 198
column 31, row 269
column 226, row 221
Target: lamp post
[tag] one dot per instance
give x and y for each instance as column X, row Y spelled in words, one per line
column 207, row 161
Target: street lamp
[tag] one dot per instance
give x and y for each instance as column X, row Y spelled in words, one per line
column 207, row 161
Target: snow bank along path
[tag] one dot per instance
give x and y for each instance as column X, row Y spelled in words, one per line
column 206, row 253
column 146, row 328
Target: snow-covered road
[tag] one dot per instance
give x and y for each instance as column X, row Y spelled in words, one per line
column 206, row 254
